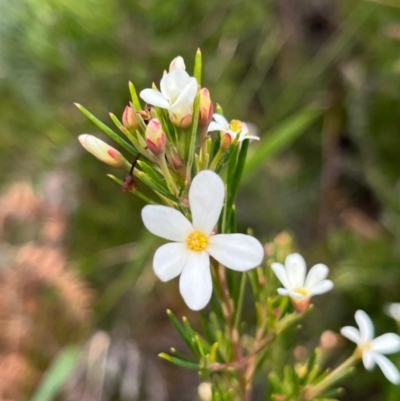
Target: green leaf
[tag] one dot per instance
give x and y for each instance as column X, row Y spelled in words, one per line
column 241, row 161
column 134, row 96
column 112, row 134
column 279, row 138
column 57, row 374
column 193, row 135
column 183, row 332
column 179, row 362
column 198, row 66
column 226, row 156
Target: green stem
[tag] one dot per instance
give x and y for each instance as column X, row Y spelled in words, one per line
column 216, row 159
column 239, row 306
column 167, row 175
column 203, row 151
column 332, row 377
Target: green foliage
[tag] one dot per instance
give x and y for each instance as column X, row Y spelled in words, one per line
column 330, row 174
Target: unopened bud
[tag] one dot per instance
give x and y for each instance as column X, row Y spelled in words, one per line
column 206, row 108
column 104, row 152
column 177, row 64
column 226, row 141
column 183, row 122
column 129, row 118
column 155, row 137
column 175, row 160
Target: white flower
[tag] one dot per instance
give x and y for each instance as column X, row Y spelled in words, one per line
column 178, row 91
column 371, row 350
column 234, row 128
column 195, row 242
column 393, row 310
column 297, row 286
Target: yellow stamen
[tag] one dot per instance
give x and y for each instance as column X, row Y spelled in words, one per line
column 197, row 241
column 236, row 125
column 302, row 291
column 365, row 347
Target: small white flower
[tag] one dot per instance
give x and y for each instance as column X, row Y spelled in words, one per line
column 393, row 311
column 297, row 286
column 178, row 91
column 371, row 350
column 195, row 242
column 234, row 128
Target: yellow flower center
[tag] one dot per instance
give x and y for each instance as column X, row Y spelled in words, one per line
column 302, row 291
column 236, row 125
column 197, row 241
column 366, row 346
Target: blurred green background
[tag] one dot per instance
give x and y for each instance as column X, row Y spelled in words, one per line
column 320, row 79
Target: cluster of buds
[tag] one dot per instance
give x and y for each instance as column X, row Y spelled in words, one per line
column 176, row 121
column 176, row 153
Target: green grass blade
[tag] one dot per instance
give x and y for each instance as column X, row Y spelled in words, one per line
column 57, row 374
column 112, row 134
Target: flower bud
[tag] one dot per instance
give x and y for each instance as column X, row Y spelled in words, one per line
column 104, row 152
column 129, row 118
column 226, row 140
column 155, row 137
column 174, row 159
column 206, row 108
column 177, row 64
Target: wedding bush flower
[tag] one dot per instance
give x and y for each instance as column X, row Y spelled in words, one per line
column 189, row 181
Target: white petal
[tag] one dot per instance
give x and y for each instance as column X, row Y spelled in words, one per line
column 368, row 360
column 177, row 63
column 239, row 252
column 322, row 287
column 388, row 343
column 166, row 222
column 155, row 98
column 295, row 270
column 169, row 260
column 245, row 136
column 206, row 196
column 215, row 127
column 283, row 291
column 351, row 333
column 222, row 121
column 280, row 273
column 365, row 325
column 388, row 369
column 393, row 310
column 195, row 283
column 316, row 274
column 183, row 104
column 173, row 83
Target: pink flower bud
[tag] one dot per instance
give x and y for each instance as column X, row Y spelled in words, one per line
column 175, row 160
column 206, row 108
column 155, row 137
column 183, row 122
column 177, row 64
column 129, row 118
column 226, row 141
column 104, row 152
